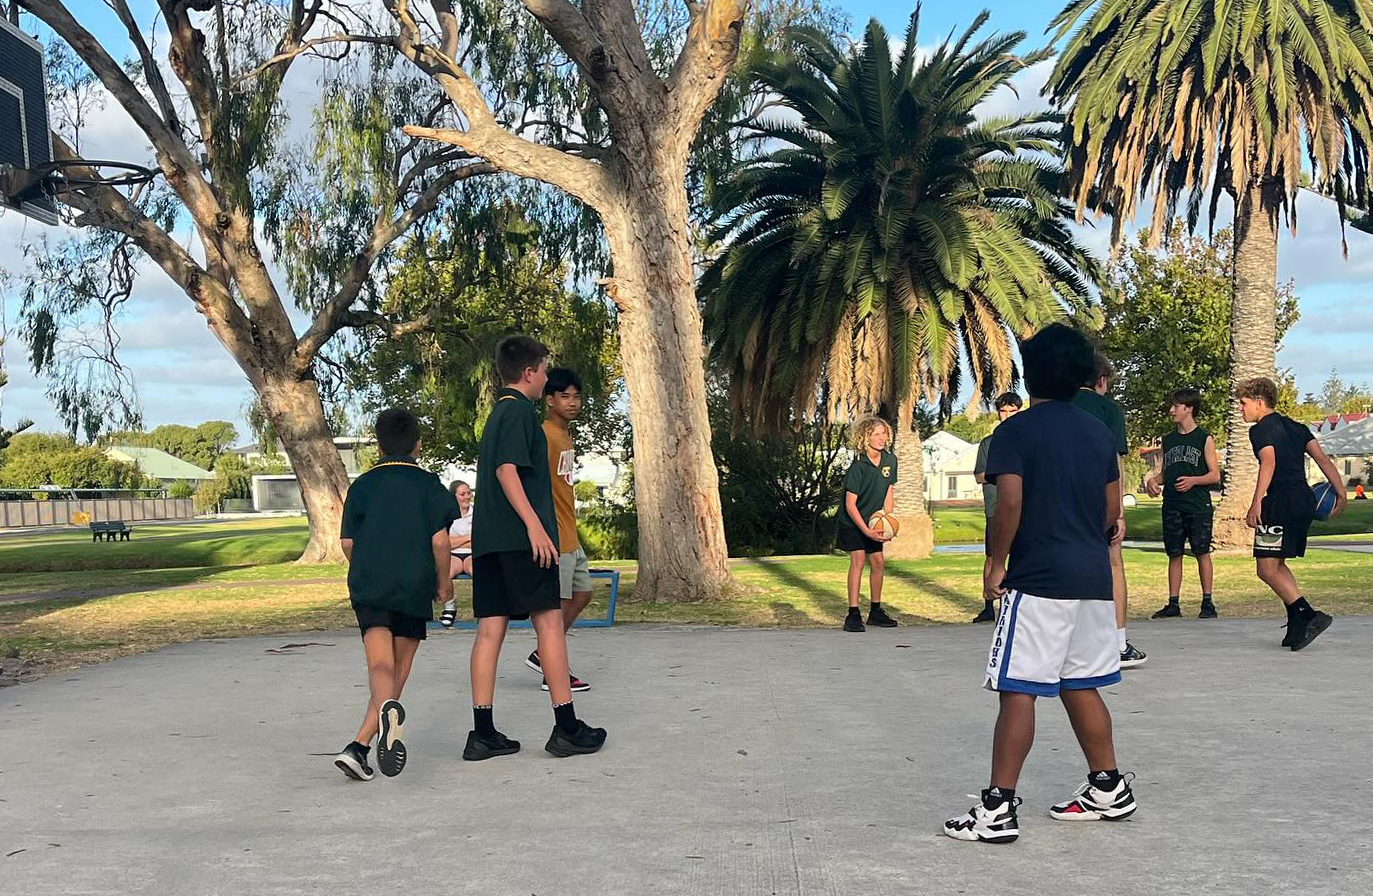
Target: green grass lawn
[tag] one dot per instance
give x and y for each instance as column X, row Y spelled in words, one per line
column 158, row 547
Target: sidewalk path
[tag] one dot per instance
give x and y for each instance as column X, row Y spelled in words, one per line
column 740, row 763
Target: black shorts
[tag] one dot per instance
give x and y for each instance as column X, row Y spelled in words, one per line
column 401, row 625
column 510, row 583
column 850, row 540
column 1286, row 520
column 1183, row 526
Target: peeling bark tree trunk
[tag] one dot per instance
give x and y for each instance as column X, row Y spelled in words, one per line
column 297, row 415
column 1253, row 351
column 682, row 552
column 916, row 541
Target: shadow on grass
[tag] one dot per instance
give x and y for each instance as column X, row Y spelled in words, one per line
column 971, row 601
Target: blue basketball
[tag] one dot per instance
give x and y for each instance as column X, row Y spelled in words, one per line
column 1325, row 499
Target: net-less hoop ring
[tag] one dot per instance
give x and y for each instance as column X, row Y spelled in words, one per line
column 56, row 179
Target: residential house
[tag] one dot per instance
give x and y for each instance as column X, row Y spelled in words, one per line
column 158, row 464
column 949, row 463
column 1351, row 448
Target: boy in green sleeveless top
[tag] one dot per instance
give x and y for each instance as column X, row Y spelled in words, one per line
column 1190, row 468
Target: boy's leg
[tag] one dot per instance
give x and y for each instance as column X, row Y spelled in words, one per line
column 877, row 568
column 1174, row 577
column 1130, row 655
column 573, row 608
column 1013, row 737
column 486, row 652
column 1206, row 571
column 1275, row 573
column 379, row 647
column 552, row 640
column 1091, row 722
column 857, row 559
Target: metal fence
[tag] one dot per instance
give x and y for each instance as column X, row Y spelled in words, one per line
column 60, row 512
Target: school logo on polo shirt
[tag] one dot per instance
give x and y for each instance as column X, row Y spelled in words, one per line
column 886, row 472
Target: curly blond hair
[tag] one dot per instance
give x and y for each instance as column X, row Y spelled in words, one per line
column 866, row 427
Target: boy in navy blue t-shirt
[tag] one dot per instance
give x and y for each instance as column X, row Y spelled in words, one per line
column 1056, row 476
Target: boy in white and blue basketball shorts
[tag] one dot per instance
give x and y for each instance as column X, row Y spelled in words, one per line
column 1056, row 474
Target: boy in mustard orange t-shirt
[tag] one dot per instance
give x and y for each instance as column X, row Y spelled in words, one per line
column 563, row 397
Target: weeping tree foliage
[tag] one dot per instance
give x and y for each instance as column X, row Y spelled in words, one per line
column 1191, row 100
column 890, row 234
column 483, row 276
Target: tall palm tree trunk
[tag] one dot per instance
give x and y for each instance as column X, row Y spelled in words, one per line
column 1253, row 349
column 916, row 541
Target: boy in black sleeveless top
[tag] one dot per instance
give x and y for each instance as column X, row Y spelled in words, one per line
column 1190, row 468
column 1284, row 506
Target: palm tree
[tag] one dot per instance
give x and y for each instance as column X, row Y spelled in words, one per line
column 1199, row 98
column 889, row 239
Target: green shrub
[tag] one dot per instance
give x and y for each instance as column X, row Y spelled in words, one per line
column 210, row 494
column 586, row 492
column 181, row 489
column 609, row 533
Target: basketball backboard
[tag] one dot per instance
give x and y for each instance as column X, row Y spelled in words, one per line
column 25, row 141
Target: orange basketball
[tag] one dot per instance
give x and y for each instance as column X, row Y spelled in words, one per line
column 885, row 524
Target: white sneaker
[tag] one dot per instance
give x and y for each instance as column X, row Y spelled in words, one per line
column 1090, row 804
column 997, row 825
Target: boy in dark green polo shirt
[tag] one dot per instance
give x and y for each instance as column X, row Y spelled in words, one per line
column 395, row 536
column 515, row 555
column 868, row 487
column 1092, row 399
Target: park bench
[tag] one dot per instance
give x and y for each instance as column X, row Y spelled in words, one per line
column 609, row 575
column 111, row 530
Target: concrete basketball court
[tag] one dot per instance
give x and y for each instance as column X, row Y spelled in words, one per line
column 739, row 762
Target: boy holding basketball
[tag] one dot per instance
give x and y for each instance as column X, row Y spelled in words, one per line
column 1190, row 468
column 1056, row 475
column 395, row 536
column 1283, row 506
column 869, row 487
column 515, row 556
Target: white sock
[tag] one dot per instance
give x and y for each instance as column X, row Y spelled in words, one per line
column 1120, row 633
column 453, row 605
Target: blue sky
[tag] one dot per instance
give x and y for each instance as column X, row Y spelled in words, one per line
column 184, row 376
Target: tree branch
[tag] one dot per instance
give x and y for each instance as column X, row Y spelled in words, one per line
column 306, row 46
column 566, row 25
column 711, row 46
column 150, row 68
column 360, row 319
column 335, row 313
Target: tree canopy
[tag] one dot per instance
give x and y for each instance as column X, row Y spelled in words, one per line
column 200, row 445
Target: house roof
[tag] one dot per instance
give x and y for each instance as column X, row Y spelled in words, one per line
column 157, row 463
column 1352, row 438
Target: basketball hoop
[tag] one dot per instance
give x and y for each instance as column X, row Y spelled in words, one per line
column 67, row 175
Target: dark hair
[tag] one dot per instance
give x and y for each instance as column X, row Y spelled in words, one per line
column 453, row 486
column 1260, row 387
column 398, row 431
column 1190, row 397
column 1008, row 400
column 515, row 354
column 1057, row 360
column 1101, row 367
column 559, row 378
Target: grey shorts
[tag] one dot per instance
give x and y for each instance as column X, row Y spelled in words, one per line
column 574, row 575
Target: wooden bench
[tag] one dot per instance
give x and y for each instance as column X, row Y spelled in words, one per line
column 110, row 530
column 608, row 575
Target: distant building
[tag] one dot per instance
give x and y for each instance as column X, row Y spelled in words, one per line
column 949, row 463
column 1350, row 446
column 1336, row 421
column 349, row 448
column 157, row 464
column 278, row 492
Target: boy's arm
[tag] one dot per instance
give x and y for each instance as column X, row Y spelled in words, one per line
column 1267, row 461
column 545, row 554
column 888, row 501
column 1114, row 505
column 1212, row 475
column 1005, row 523
column 441, row 565
column 1118, row 533
column 851, row 508
column 1332, row 475
column 347, row 544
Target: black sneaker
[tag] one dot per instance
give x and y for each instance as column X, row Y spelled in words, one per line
column 996, row 825
column 479, row 748
column 1208, row 611
column 390, row 747
column 878, row 616
column 584, row 740
column 1304, row 631
column 987, row 615
column 352, row 761
column 532, row 661
column 854, row 623
column 1132, row 656
column 1169, row 611
column 449, row 615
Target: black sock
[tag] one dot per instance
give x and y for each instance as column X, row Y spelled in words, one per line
column 1173, row 599
column 995, row 796
column 988, row 604
column 565, row 717
column 854, row 611
column 481, row 721
column 1300, row 607
column 874, row 606
column 365, row 748
column 1105, row 780
column 1206, row 598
